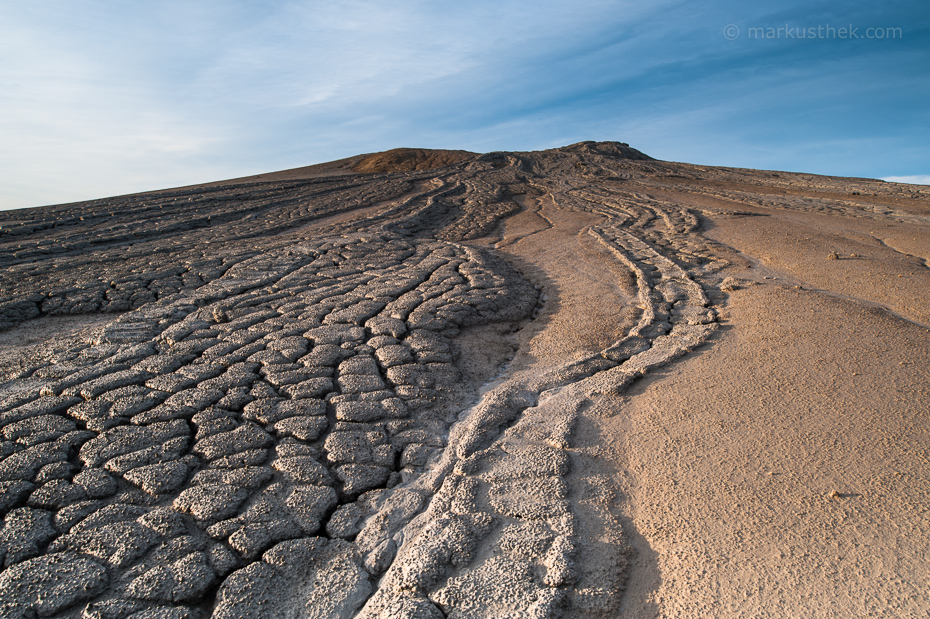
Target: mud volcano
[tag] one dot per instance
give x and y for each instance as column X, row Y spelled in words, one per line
column 422, row 384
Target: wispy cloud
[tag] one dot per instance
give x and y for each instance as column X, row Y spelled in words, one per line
column 102, row 97
column 916, row 179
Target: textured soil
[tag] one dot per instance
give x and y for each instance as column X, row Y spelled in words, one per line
column 569, row 383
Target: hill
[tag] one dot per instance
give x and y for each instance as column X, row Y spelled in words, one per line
column 576, row 382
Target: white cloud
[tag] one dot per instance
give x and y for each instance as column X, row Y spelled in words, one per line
column 102, row 97
column 914, row 179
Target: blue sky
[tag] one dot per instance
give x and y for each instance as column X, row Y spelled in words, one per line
column 101, row 98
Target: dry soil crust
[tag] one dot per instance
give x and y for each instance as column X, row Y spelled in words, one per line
column 296, row 397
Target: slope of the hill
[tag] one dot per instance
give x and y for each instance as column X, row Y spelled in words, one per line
column 577, row 382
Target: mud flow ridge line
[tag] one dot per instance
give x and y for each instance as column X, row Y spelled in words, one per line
column 275, row 423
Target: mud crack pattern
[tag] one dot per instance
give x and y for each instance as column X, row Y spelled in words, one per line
column 276, row 424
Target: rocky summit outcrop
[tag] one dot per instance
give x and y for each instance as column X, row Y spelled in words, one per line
column 301, row 406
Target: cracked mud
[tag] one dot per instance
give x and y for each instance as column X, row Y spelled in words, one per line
column 348, row 395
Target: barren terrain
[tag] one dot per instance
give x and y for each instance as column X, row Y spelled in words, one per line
column 422, row 384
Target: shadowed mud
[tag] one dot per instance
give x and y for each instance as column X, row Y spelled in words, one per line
column 325, row 393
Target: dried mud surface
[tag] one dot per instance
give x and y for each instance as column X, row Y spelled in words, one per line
column 422, row 384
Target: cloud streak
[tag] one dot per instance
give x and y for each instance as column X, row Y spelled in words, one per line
column 917, row 179
column 101, row 98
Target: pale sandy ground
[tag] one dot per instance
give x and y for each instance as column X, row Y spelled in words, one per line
column 782, row 469
column 589, row 302
column 734, row 453
column 732, row 456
